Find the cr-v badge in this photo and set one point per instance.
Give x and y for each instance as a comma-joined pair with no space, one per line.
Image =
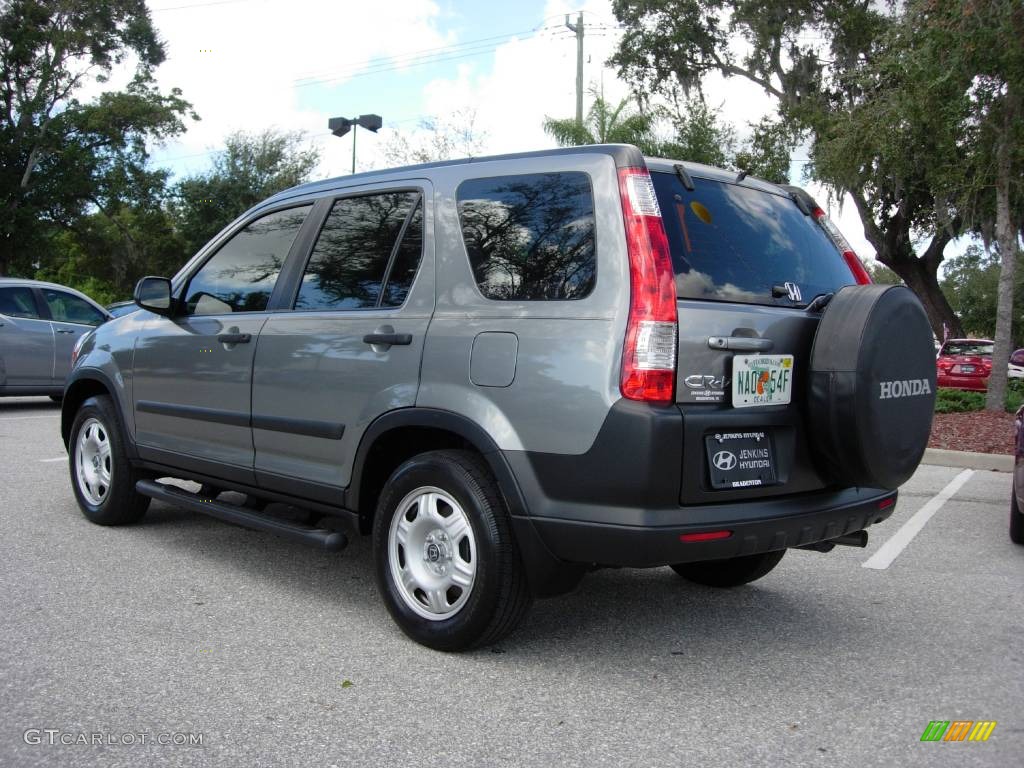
704,388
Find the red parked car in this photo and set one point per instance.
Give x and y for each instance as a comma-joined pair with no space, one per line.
965,364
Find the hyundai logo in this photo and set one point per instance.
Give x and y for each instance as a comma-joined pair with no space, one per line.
724,460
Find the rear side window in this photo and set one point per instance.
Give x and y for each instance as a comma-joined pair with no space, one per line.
17,301
734,243
530,237
68,308
349,264
241,275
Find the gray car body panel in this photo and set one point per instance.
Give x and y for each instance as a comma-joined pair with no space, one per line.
314,371
567,370
35,354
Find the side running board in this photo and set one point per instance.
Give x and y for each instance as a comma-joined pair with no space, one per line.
332,541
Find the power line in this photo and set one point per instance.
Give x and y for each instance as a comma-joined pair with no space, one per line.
395,63
439,50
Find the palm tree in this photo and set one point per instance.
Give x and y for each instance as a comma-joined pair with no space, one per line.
604,124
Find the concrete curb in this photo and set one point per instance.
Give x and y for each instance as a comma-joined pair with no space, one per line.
994,462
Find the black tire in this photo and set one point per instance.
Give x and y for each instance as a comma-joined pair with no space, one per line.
115,501
732,572
497,598
871,388
1016,520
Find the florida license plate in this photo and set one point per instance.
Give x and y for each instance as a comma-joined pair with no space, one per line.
759,380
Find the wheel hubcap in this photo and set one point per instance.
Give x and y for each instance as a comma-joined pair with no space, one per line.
93,466
432,553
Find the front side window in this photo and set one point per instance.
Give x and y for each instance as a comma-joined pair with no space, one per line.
241,275
530,237
17,301
68,308
359,239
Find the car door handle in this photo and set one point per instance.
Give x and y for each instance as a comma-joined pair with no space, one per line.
61,330
234,338
400,339
740,343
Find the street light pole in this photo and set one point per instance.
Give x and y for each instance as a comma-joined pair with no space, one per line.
339,126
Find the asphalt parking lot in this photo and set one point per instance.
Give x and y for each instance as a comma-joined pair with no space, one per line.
279,655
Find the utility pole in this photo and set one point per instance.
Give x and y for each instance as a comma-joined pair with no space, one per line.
578,29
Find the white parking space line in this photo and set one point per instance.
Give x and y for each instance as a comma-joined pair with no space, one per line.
26,418
889,551
48,461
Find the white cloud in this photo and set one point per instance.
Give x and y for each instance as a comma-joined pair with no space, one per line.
238,63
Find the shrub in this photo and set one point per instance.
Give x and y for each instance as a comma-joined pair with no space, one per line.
958,401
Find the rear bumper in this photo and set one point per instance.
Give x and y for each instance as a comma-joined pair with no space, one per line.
754,528
972,383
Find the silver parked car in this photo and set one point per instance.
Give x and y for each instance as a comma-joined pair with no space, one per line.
511,370
40,323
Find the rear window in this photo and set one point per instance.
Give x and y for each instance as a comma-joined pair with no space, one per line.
980,348
530,237
734,243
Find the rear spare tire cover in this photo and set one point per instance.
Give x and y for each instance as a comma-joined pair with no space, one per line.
872,386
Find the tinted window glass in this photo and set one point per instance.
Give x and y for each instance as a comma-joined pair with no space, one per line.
17,302
241,275
530,237
1017,358
733,243
407,259
351,254
67,308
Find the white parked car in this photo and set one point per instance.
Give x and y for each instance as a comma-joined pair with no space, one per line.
1016,365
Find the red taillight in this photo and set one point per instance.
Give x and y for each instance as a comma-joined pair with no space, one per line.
688,538
649,353
849,256
886,503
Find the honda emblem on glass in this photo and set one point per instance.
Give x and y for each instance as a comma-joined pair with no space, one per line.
793,291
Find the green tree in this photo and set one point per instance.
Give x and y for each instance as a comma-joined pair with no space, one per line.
605,124
971,282
61,157
698,133
435,139
768,151
882,274
689,129
810,55
249,169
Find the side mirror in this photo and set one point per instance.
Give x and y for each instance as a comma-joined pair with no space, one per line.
154,294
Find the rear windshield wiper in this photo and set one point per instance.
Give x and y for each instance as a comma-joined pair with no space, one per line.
684,177
800,203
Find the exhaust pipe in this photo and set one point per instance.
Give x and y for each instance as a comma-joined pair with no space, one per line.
855,539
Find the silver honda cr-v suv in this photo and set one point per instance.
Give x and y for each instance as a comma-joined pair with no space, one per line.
511,370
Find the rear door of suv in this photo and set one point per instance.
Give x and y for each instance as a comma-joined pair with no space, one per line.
348,349
749,263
